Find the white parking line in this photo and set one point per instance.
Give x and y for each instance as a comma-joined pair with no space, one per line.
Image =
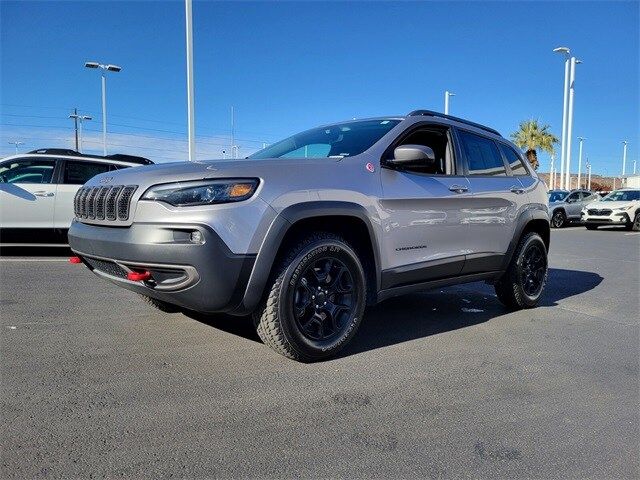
632,233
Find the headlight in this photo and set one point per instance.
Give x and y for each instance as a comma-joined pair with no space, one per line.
202,192
622,209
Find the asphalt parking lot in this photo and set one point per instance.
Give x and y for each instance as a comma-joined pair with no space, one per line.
445,383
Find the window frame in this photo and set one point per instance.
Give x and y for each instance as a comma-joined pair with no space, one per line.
507,169
519,155
410,130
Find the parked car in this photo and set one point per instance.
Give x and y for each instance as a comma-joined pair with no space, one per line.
37,191
620,207
305,233
565,207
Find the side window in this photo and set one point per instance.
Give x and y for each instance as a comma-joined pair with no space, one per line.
78,173
27,170
514,160
438,141
482,154
586,196
574,197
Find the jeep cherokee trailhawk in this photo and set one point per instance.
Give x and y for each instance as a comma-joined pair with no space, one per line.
308,231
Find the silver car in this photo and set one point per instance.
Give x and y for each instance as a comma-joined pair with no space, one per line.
304,234
566,206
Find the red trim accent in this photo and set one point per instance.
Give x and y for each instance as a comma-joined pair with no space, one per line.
75,260
139,276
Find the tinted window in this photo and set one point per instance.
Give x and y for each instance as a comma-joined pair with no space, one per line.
78,173
27,170
482,155
435,139
622,196
574,197
557,196
514,161
339,140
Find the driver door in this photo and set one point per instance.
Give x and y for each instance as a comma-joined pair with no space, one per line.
27,193
574,205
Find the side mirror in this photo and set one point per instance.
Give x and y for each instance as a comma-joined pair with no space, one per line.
408,154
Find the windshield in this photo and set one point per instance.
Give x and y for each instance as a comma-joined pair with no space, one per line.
339,140
557,196
622,196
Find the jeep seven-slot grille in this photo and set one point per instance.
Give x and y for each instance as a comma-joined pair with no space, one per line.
104,203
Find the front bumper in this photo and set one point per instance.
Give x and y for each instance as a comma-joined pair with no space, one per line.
203,276
614,218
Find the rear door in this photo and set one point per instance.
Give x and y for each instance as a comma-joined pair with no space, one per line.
27,194
498,198
74,174
573,205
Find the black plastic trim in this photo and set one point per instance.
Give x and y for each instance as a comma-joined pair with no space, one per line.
422,272
431,113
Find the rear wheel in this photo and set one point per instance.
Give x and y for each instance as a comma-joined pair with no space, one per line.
558,219
591,227
636,223
522,284
316,301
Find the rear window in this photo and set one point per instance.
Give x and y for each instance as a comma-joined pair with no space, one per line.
78,173
514,160
483,156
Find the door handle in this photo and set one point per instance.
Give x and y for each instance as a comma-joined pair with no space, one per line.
42,193
518,190
458,188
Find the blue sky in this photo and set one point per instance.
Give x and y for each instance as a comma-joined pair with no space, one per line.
290,66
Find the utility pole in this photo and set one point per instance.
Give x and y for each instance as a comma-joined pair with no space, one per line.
74,115
191,116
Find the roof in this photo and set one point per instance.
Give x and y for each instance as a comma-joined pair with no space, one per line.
431,113
118,157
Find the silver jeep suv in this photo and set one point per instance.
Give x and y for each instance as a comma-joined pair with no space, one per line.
307,232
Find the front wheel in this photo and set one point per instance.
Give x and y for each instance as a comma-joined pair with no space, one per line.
636,223
558,219
316,301
522,284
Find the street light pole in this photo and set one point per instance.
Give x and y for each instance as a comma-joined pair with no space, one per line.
16,144
105,69
191,118
624,157
447,95
572,80
582,139
552,175
589,172
565,97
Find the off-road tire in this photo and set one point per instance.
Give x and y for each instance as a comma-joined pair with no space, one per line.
558,219
160,305
274,319
591,227
509,289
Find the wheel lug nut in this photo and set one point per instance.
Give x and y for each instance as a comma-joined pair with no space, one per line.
313,297
324,303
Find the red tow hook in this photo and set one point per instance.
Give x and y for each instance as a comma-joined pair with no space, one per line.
139,276
75,260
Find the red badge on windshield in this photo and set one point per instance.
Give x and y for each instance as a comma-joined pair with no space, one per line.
370,168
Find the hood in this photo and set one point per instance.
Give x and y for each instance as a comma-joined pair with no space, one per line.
148,175
601,205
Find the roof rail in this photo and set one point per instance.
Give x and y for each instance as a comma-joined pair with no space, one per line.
119,157
430,113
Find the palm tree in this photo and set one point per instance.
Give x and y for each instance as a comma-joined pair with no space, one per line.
532,136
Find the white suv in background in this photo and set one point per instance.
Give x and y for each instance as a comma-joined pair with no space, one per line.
620,207
37,191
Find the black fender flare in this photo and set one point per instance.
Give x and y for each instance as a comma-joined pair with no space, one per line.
521,223
277,231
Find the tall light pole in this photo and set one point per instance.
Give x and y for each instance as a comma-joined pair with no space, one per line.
572,81
624,157
589,173
552,175
105,69
447,95
565,106
582,139
79,119
16,144
233,133
191,116
634,167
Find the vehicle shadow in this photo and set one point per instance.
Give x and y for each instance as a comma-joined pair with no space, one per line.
432,312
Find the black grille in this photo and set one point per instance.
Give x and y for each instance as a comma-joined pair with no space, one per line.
104,203
104,266
595,211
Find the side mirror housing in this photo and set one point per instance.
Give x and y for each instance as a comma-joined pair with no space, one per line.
412,154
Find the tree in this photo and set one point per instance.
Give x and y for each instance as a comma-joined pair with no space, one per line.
531,137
